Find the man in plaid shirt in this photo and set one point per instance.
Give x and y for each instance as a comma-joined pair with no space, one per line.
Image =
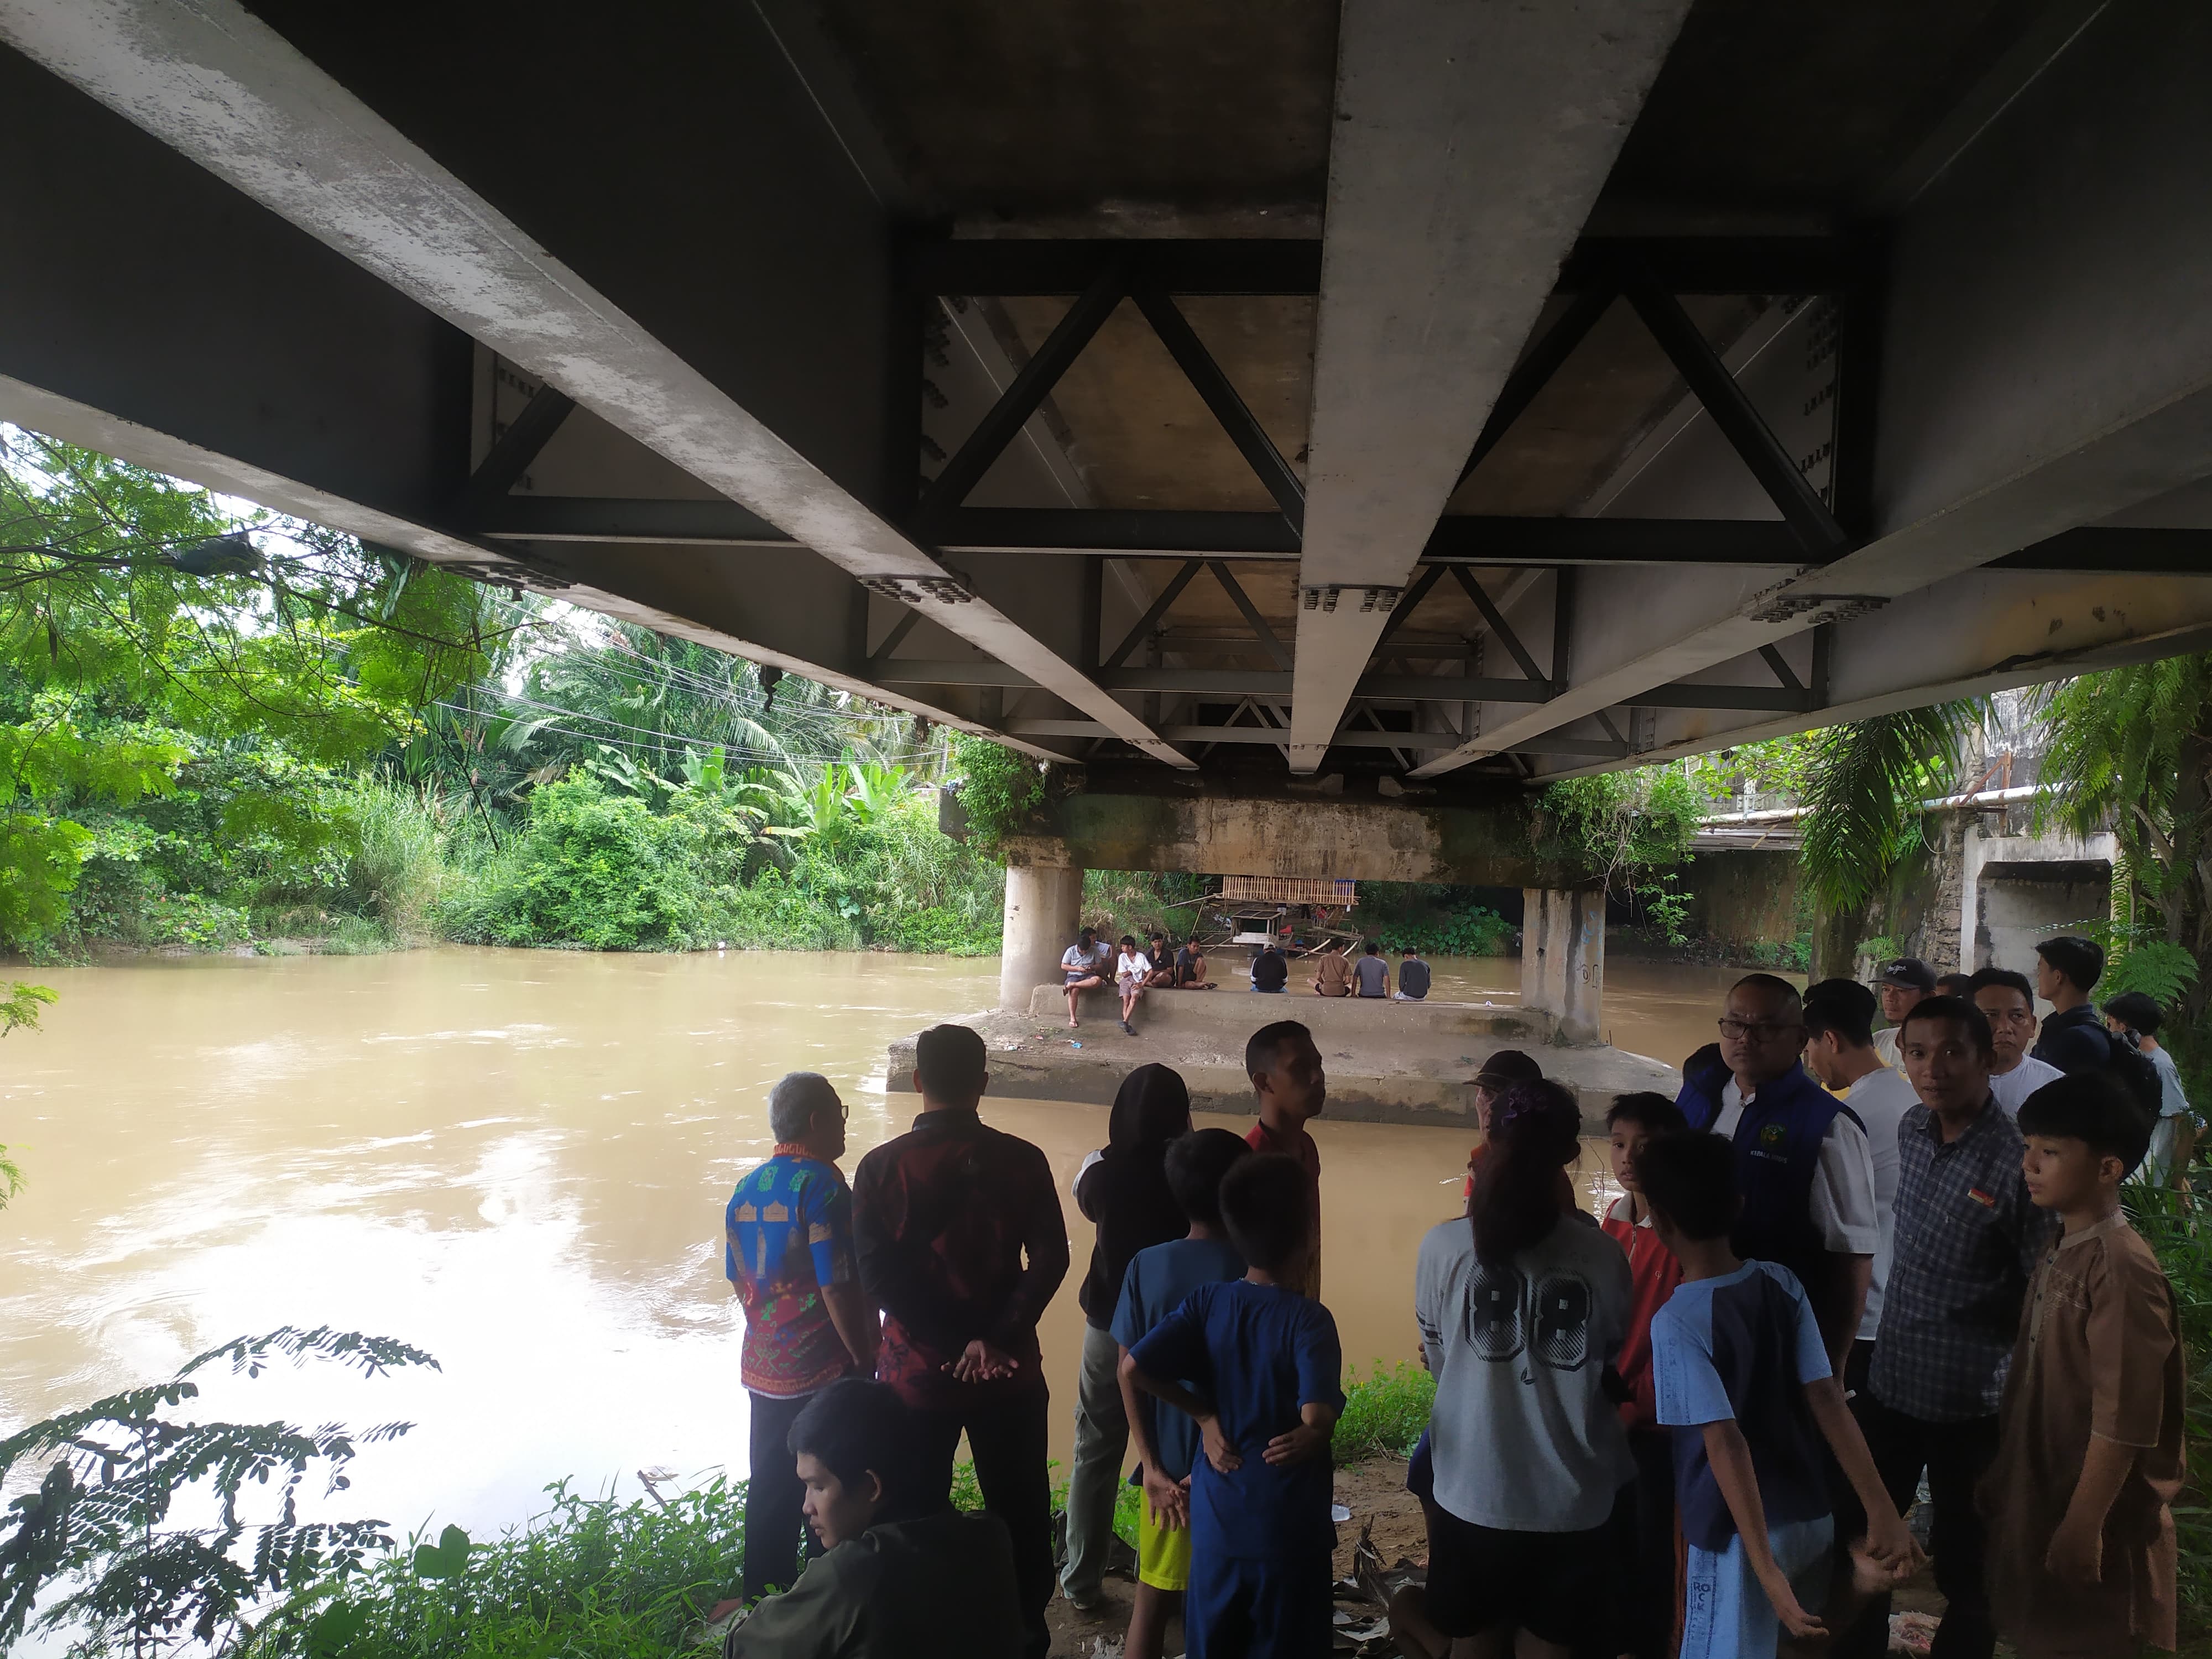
1967,1240
943,1218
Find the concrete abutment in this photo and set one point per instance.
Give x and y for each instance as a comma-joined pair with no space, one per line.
1563,958
1044,902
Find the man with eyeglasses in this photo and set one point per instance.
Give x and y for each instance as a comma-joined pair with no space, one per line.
1803,1169
789,1252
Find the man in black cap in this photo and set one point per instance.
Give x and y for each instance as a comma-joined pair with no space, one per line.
1902,983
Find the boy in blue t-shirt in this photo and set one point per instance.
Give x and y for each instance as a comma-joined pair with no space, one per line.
1157,1283
1264,1371
1742,1375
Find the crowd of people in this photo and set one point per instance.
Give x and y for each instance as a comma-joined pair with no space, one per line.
1692,1426
1342,969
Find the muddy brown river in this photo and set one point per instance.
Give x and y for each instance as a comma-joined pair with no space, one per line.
517,1161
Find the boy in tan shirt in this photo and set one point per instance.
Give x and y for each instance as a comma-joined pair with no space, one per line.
2081,1547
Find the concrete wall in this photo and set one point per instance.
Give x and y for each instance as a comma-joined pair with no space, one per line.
2021,889
1365,840
1742,897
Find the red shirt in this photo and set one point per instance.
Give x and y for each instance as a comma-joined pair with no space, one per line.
1653,1274
1300,1145
959,1236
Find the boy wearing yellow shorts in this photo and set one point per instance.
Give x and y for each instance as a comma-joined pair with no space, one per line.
1166,1441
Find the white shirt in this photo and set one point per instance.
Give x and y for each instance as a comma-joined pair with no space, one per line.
1884,1044
1519,1354
1881,1098
1843,1184
2012,1088
1127,964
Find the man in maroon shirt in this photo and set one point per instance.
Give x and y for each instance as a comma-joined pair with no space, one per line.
1291,1089
943,1218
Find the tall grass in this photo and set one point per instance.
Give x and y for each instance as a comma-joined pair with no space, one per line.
1384,1412
400,865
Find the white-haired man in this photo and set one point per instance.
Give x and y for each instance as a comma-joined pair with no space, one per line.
789,1254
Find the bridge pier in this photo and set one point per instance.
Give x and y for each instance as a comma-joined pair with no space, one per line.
1044,903
1562,957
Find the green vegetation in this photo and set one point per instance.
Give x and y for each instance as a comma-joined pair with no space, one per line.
222,728
1863,790
1001,791
1439,921
2178,1225
2131,751
592,1577
1384,1412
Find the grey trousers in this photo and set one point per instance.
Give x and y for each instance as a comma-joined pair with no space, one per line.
1102,1439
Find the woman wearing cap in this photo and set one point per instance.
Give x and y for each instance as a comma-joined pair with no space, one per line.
1499,1072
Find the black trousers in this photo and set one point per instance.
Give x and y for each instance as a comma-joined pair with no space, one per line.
1009,1434
1649,1584
1954,1456
775,1497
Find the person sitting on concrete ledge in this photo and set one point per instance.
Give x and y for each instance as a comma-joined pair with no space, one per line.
1081,970
1132,971
1372,972
898,1555
1332,972
1191,967
1271,969
1162,978
1413,977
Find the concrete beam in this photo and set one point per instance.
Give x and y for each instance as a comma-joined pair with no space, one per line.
1985,631
1470,144
227,90
667,598
2047,363
1365,840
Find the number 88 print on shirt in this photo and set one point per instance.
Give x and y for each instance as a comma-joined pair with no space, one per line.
1520,1349
1504,1308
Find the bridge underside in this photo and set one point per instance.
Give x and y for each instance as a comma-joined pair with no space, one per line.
1436,396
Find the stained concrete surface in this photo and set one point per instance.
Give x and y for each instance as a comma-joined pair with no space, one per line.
1388,1062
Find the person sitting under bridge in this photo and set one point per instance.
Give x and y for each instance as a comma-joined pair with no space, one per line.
1332,972
1271,969
1083,969
1371,972
1162,978
1413,977
899,1555
1191,967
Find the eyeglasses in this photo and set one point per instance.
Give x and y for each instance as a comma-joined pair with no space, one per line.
844,1112
1756,1031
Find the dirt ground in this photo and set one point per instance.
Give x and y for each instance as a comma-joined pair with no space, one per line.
1375,1491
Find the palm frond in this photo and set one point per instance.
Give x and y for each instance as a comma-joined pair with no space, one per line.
1863,792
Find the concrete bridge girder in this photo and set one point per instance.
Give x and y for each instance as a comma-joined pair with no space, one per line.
335,216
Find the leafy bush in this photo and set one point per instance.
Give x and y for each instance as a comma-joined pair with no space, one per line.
100,1523
592,869
1623,824
1001,791
1442,921
590,1577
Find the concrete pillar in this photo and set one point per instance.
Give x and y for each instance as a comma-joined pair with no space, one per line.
1044,903
1562,957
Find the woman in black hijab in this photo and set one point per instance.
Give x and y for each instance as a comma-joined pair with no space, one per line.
1123,1189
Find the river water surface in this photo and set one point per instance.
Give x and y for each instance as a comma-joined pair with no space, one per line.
517,1161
